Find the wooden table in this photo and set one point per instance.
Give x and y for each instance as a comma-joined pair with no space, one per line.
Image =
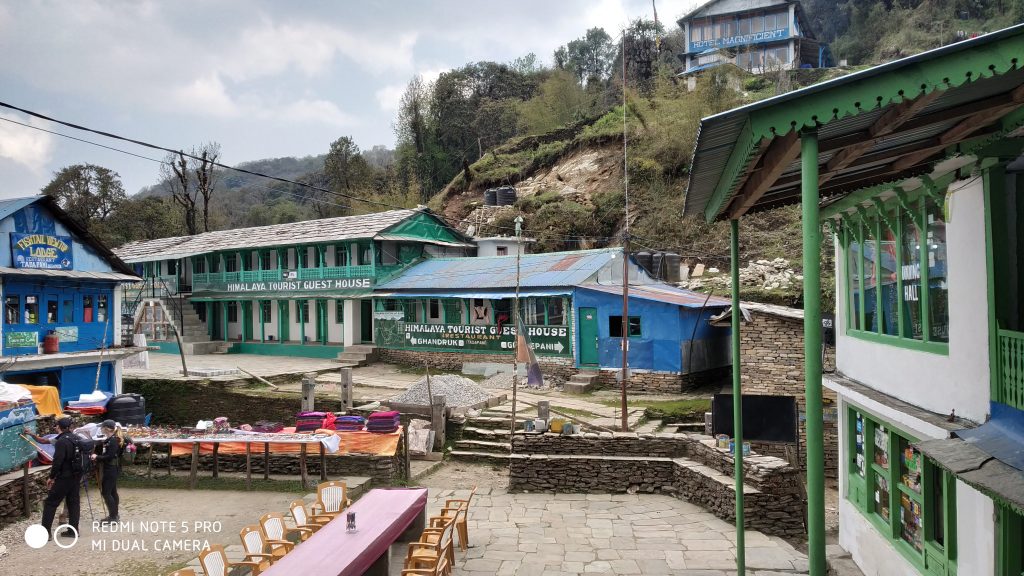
382,517
216,441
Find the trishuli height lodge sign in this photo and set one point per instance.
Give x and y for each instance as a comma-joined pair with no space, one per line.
42,251
392,332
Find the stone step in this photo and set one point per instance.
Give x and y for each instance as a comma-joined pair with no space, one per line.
494,422
480,456
483,446
584,377
571,387
355,358
472,433
367,349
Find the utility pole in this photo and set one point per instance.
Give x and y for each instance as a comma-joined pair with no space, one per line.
518,325
625,250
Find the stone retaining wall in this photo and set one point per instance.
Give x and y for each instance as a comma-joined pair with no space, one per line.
12,503
663,382
688,466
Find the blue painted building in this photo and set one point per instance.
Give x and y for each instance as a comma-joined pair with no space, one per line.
460,310
58,279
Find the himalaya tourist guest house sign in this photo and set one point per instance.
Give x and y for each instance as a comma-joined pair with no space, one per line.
285,287
392,332
42,251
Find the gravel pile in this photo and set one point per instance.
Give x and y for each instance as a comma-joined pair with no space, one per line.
457,391
503,381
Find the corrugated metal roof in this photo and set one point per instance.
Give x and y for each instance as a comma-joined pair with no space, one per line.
663,293
306,232
12,205
536,270
75,274
843,109
479,293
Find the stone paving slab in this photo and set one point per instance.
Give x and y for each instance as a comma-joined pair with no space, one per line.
614,534
168,366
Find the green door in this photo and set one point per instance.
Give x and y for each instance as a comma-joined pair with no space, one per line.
282,320
1010,556
588,336
321,321
247,320
366,317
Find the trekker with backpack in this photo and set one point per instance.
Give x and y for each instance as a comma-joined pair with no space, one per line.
65,478
110,457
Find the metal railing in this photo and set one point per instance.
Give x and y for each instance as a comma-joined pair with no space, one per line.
1011,368
213,280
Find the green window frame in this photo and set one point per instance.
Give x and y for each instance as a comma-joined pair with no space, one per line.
12,309
232,311
906,497
544,311
199,264
339,311
896,288
1009,541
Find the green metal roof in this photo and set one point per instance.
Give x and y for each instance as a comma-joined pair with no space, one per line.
881,125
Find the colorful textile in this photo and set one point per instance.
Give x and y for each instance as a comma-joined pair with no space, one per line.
374,444
267,426
47,399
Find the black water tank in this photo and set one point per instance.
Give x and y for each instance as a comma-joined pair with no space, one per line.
671,263
506,196
658,265
491,197
644,260
127,409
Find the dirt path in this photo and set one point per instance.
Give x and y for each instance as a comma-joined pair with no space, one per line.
159,509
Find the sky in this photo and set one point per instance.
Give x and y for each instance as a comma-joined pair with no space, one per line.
263,78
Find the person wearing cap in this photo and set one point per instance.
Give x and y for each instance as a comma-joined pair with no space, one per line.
110,458
63,484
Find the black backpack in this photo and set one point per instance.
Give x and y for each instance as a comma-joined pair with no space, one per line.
81,456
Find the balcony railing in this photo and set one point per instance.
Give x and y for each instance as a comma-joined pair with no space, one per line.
215,280
1011,368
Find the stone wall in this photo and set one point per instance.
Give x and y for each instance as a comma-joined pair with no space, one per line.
684,465
12,494
772,352
663,382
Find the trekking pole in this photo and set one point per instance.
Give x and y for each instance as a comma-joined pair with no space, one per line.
88,499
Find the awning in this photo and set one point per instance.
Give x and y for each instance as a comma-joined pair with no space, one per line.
485,295
977,469
71,274
401,238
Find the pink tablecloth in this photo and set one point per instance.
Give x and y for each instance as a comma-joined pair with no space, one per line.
381,517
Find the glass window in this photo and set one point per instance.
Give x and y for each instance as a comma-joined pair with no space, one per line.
198,264
87,309
938,289
853,251
615,326
910,244
556,311
265,308
339,311
502,250
757,24
101,308
434,309
881,506
889,314
230,263
232,312
859,462
172,267
341,256
31,309
51,311
366,257
535,309
68,311
12,309
881,439
503,311
304,311
744,26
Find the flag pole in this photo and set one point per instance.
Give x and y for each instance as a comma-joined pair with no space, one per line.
625,249
518,325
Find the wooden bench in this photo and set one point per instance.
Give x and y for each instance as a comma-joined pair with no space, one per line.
382,517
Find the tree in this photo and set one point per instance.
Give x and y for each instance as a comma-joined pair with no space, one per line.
87,192
560,101
191,181
146,218
641,53
590,57
345,170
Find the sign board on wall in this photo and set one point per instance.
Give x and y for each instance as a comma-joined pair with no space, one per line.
286,287
42,251
21,339
67,333
740,40
390,331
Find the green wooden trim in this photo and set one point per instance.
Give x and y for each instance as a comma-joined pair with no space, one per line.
994,184
263,321
738,161
941,348
902,197
316,350
224,325
926,309
862,314
900,294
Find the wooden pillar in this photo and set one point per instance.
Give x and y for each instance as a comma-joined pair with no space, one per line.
266,460
194,471
248,465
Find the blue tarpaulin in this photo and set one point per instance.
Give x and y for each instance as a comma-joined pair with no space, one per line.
1001,437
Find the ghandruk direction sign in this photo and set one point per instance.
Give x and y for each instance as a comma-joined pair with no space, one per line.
286,286
42,251
740,39
392,332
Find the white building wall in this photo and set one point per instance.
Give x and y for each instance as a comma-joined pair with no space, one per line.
932,381
334,329
270,323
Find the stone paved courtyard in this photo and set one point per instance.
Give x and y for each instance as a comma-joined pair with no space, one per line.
568,534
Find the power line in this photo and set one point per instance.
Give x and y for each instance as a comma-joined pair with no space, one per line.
576,238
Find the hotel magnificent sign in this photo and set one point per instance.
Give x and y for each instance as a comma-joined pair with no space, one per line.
740,40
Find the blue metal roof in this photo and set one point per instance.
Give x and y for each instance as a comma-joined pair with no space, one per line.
535,271
12,205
